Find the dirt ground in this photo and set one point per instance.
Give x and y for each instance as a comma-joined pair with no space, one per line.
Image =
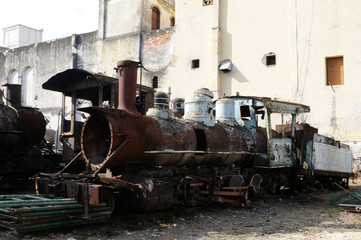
287,216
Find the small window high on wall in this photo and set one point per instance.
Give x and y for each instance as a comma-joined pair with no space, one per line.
155,82
155,18
334,68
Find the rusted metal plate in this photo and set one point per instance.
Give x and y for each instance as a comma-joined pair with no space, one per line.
327,155
282,152
273,106
102,134
33,122
8,118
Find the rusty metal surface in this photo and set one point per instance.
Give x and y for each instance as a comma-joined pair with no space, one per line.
33,122
103,133
127,71
239,139
325,155
9,118
282,152
274,106
184,142
14,94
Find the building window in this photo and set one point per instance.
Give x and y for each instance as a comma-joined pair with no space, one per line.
245,113
207,2
195,63
155,18
155,82
269,59
334,68
27,87
14,77
172,21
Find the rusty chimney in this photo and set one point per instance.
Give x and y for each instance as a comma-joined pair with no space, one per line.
127,71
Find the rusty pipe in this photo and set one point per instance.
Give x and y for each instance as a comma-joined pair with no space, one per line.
127,71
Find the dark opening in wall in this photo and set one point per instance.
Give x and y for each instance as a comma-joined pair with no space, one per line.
172,21
195,63
207,2
201,140
269,59
155,82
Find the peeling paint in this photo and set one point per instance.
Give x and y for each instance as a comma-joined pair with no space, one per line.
159,40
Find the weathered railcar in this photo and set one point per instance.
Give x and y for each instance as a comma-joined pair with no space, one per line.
291,154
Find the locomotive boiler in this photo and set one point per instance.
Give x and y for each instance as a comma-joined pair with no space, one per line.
124,136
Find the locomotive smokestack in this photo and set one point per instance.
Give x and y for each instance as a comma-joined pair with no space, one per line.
127,71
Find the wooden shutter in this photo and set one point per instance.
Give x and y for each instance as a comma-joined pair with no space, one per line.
155,18
334,71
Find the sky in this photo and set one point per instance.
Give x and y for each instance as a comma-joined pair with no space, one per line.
57,18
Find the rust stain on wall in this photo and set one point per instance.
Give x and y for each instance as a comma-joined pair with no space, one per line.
159,40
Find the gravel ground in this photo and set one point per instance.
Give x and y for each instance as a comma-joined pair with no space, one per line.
288,216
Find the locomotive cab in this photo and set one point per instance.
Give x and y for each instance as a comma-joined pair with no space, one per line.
257,114
82,89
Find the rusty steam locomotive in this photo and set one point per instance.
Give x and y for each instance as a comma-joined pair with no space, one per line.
218,150
21,130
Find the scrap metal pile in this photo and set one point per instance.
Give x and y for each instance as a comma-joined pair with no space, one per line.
28,213
350,200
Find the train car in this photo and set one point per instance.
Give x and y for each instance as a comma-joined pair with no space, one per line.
153,161
156,160
21,131
291,154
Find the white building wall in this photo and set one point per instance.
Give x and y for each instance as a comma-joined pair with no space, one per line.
249,31
301,33
20,35
327,29
194,40
123,17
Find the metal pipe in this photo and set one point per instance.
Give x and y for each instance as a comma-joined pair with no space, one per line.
127,71
70,163
106,162
269,133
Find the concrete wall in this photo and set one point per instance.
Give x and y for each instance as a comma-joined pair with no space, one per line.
20,35
110,51
301,34
157,57
166,9
46,59
123,17
249,31
327,29
197,38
